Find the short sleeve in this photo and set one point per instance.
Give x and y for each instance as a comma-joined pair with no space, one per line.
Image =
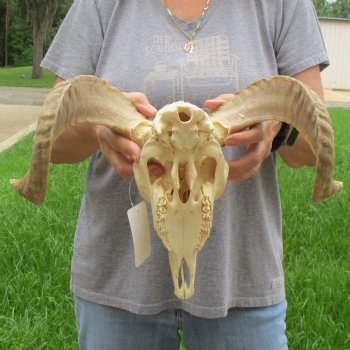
299,43
76,47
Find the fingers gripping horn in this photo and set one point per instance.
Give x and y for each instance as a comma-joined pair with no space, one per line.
288,100
81,100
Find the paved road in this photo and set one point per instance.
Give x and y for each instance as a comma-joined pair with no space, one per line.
337,98
22,95
19,110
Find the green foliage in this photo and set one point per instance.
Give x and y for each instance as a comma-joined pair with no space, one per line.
341,9
336,9
20,46
2,30
20,43
322,8
19,33
36,309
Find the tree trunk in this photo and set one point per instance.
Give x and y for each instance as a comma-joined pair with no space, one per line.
7,23
43,14
39,36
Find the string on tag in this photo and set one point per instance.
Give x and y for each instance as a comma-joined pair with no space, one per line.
132,204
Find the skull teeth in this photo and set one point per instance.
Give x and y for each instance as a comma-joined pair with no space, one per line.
207,212
161,221
206,208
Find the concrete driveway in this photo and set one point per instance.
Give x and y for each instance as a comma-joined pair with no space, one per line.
337,98
20,108
22,95
19,112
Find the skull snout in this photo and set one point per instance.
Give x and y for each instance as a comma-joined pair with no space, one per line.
185,287
183,271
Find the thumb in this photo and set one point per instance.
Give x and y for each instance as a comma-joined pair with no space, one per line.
146,109
141,102
217,101
212,104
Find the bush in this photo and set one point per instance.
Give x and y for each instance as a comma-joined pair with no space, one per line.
20,43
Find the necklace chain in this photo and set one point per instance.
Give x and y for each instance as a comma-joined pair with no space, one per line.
189,46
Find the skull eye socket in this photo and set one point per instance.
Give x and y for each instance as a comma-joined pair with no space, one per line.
151,164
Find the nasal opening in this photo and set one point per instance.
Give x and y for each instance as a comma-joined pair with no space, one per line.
184,190
184,277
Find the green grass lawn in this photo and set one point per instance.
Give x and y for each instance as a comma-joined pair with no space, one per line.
36,310
22,76
317,252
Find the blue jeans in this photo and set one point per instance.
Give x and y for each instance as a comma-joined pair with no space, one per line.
107,328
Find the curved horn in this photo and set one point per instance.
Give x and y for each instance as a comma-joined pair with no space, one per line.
288,100
84,99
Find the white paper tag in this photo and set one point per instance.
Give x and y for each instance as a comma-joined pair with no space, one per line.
141,236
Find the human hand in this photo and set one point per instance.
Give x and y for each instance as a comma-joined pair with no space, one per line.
257,139
119,151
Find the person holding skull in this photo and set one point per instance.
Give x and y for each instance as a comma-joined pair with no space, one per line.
200,51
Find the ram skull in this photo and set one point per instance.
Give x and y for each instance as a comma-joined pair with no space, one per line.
187,142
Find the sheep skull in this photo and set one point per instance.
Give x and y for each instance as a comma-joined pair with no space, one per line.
182,199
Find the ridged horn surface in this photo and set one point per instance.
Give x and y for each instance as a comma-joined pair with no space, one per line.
81,100
288,100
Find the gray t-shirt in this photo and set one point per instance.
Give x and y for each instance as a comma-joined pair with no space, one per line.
134,45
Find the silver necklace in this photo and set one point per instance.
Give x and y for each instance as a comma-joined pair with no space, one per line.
189,46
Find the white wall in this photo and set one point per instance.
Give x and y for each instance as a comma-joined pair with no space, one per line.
336,34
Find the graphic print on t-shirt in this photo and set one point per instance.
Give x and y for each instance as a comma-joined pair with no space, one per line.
212,64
